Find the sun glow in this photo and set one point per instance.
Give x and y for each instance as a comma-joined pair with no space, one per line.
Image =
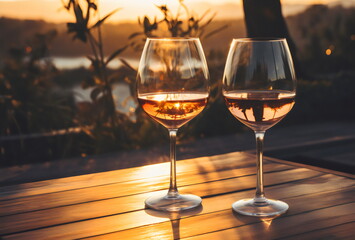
151,171
131,10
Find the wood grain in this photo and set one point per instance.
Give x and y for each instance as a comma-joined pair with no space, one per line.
108,191
227,219
286,226
185,167
102,206
342,231
44,218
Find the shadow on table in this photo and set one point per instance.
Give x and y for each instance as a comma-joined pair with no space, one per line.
174,218
267,221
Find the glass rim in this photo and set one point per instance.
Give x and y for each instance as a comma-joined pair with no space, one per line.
259,39
172,38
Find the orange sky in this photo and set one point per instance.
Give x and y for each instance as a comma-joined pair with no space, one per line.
51,10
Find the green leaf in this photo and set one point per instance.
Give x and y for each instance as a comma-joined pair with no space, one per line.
98,23
115,54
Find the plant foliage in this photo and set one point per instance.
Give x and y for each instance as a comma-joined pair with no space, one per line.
99,117
182,24
28,101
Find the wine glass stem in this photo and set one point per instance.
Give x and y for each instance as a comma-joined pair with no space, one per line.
173,192
259,195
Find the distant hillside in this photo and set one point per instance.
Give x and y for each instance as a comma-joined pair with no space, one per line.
314,31
16,33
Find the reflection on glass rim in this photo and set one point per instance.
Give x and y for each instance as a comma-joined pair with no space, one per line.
172,38
259,39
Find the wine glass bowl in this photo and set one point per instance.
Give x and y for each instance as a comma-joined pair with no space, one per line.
173,88
259,110
259,88
173,109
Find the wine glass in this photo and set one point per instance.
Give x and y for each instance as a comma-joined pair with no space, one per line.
173,88
259,88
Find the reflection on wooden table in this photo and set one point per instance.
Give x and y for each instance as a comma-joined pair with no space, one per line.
110,205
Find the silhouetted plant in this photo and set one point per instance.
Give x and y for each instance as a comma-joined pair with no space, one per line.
182,24
28,101
174,25
98,117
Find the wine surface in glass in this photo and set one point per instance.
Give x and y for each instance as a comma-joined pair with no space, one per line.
173,109
259,110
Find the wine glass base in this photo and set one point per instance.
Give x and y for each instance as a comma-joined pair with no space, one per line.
178,203
265,208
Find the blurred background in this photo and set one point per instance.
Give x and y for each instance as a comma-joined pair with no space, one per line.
68,67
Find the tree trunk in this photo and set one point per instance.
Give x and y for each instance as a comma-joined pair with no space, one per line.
264,18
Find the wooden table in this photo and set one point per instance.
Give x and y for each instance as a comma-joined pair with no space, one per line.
110,205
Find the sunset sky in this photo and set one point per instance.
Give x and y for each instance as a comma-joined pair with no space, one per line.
51,10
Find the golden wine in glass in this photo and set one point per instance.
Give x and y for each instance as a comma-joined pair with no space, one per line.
173,88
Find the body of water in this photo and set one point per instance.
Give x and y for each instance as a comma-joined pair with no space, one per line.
124,101
77,62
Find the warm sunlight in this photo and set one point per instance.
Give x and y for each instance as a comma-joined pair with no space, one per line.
130,10
151,171
138,119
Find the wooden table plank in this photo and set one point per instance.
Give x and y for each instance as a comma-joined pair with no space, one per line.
200,165
205,221
104,206
98,209
287,225
139,218
84,195
342,231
